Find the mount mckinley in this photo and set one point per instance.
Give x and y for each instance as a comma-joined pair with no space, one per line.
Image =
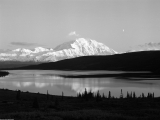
72,49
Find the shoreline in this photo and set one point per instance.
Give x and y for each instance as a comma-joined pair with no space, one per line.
3,73
26,105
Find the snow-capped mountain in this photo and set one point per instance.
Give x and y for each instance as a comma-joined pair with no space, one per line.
146,47
79,47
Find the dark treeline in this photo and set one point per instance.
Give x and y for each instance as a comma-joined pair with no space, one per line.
86,106
55,103
91,95
3,73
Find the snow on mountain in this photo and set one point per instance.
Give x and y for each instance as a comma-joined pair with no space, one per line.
40,49
80,47
71,49
146,47
22,50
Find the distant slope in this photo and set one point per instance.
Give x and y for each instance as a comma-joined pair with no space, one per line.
135,61
145,47
4,65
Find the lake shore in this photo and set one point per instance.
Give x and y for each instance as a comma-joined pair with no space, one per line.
3,73
135,75
26,105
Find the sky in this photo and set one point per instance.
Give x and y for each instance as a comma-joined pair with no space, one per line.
119,24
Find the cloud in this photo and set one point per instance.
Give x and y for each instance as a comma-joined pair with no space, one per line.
73,33
22,44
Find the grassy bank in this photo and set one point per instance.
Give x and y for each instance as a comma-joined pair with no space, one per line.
24,105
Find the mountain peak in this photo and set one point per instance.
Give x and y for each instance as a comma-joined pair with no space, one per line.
91,46
40,49
22,50
84,46
71,49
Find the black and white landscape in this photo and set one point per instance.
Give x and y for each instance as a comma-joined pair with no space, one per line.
79,59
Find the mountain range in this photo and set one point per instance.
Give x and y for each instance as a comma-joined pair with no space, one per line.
145,47
71,49
67,50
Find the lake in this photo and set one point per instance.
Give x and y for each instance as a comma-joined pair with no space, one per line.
43,80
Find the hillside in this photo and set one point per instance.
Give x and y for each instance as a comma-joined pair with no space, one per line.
134,61
4,65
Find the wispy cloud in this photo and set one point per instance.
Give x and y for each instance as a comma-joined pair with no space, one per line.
22,44
73,33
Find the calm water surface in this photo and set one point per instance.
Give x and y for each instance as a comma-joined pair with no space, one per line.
43,80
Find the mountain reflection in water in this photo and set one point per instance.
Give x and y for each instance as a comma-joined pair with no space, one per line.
41,81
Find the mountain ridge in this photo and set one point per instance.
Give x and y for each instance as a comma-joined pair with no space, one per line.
133,61
71,49
145,47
